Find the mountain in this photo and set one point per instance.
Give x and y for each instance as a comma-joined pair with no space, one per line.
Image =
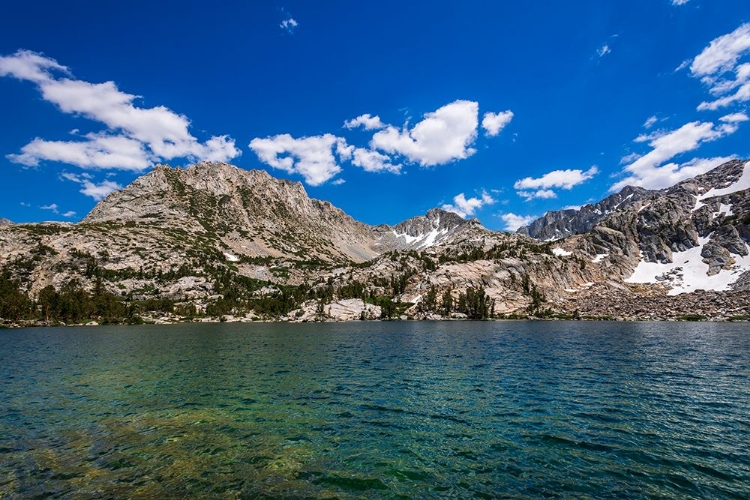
5,222
555,225
248,213
437,227
216,240
255,215
690,236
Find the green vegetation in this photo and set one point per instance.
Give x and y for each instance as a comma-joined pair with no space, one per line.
691,317
475,304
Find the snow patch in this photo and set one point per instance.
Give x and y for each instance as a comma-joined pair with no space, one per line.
231,258
560,252
431,237
687,272
409,239
725,210
425,240
739,185
599,257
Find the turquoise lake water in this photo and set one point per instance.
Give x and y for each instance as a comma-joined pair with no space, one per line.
377,410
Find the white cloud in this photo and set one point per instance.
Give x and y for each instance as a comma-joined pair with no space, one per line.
722,54
720,57
603,50
630,158
367,121
135,137
372,161
338,182
493,123
735,118
99,152
541,193
679,2
89,188
541,187
442,136
55,209
650,122
465,207
648,172
672,173
312,157
741,95
288,25
513,221
31,66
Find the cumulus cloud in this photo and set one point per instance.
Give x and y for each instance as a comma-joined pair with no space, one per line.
289,25
513,221
135,138
494,123
312,157
649,170
542,187
443,136
101,151
372,161
720,58
466,207
366,121
90,188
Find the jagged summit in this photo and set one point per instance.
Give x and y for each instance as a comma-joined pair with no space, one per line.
559,224
562,223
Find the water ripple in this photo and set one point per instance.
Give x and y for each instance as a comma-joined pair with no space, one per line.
373,410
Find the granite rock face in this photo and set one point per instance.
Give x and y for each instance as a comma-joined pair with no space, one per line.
710,212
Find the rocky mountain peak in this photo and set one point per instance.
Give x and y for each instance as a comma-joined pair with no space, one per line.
562,223
559,224
5,222
435,219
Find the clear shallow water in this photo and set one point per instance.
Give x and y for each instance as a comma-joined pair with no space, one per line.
402,409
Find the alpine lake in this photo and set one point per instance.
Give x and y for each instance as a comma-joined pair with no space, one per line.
506,409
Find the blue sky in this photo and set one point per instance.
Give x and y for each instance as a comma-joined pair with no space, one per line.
497,110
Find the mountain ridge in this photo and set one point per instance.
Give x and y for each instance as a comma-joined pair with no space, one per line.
218,240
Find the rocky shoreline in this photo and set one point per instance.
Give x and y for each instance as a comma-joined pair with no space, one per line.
599,304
